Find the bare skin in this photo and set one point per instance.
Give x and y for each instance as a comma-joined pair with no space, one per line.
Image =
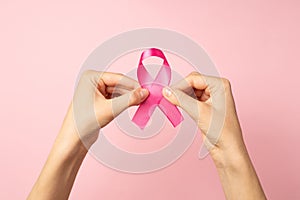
228,151
236,172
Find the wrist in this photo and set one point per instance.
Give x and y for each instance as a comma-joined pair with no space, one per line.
235,170
233,158
68,141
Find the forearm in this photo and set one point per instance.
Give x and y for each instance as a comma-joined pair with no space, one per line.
237,174
58,175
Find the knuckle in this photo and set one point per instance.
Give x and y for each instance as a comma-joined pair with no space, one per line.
86,76
226,83
119,74
194,77
88,73
91,76
194,74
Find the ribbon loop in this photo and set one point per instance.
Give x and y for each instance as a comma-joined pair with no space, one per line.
155,86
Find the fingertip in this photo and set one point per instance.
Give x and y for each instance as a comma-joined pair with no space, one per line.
143,93
167,92
140,94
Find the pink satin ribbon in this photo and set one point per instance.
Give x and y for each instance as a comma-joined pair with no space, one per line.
155,86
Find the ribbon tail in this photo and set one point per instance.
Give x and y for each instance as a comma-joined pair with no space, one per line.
171,111
143,114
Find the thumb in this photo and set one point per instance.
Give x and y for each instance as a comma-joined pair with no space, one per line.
135,97
186,102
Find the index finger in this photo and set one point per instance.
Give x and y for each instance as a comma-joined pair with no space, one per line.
197,81
118,80
194,80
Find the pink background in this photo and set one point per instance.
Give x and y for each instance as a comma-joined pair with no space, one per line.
255,44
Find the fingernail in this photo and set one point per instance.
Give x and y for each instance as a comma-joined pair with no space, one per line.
143,93
167,92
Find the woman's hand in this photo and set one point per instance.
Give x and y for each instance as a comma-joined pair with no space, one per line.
209,101
99,98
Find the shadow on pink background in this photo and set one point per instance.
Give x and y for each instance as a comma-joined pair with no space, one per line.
255,44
